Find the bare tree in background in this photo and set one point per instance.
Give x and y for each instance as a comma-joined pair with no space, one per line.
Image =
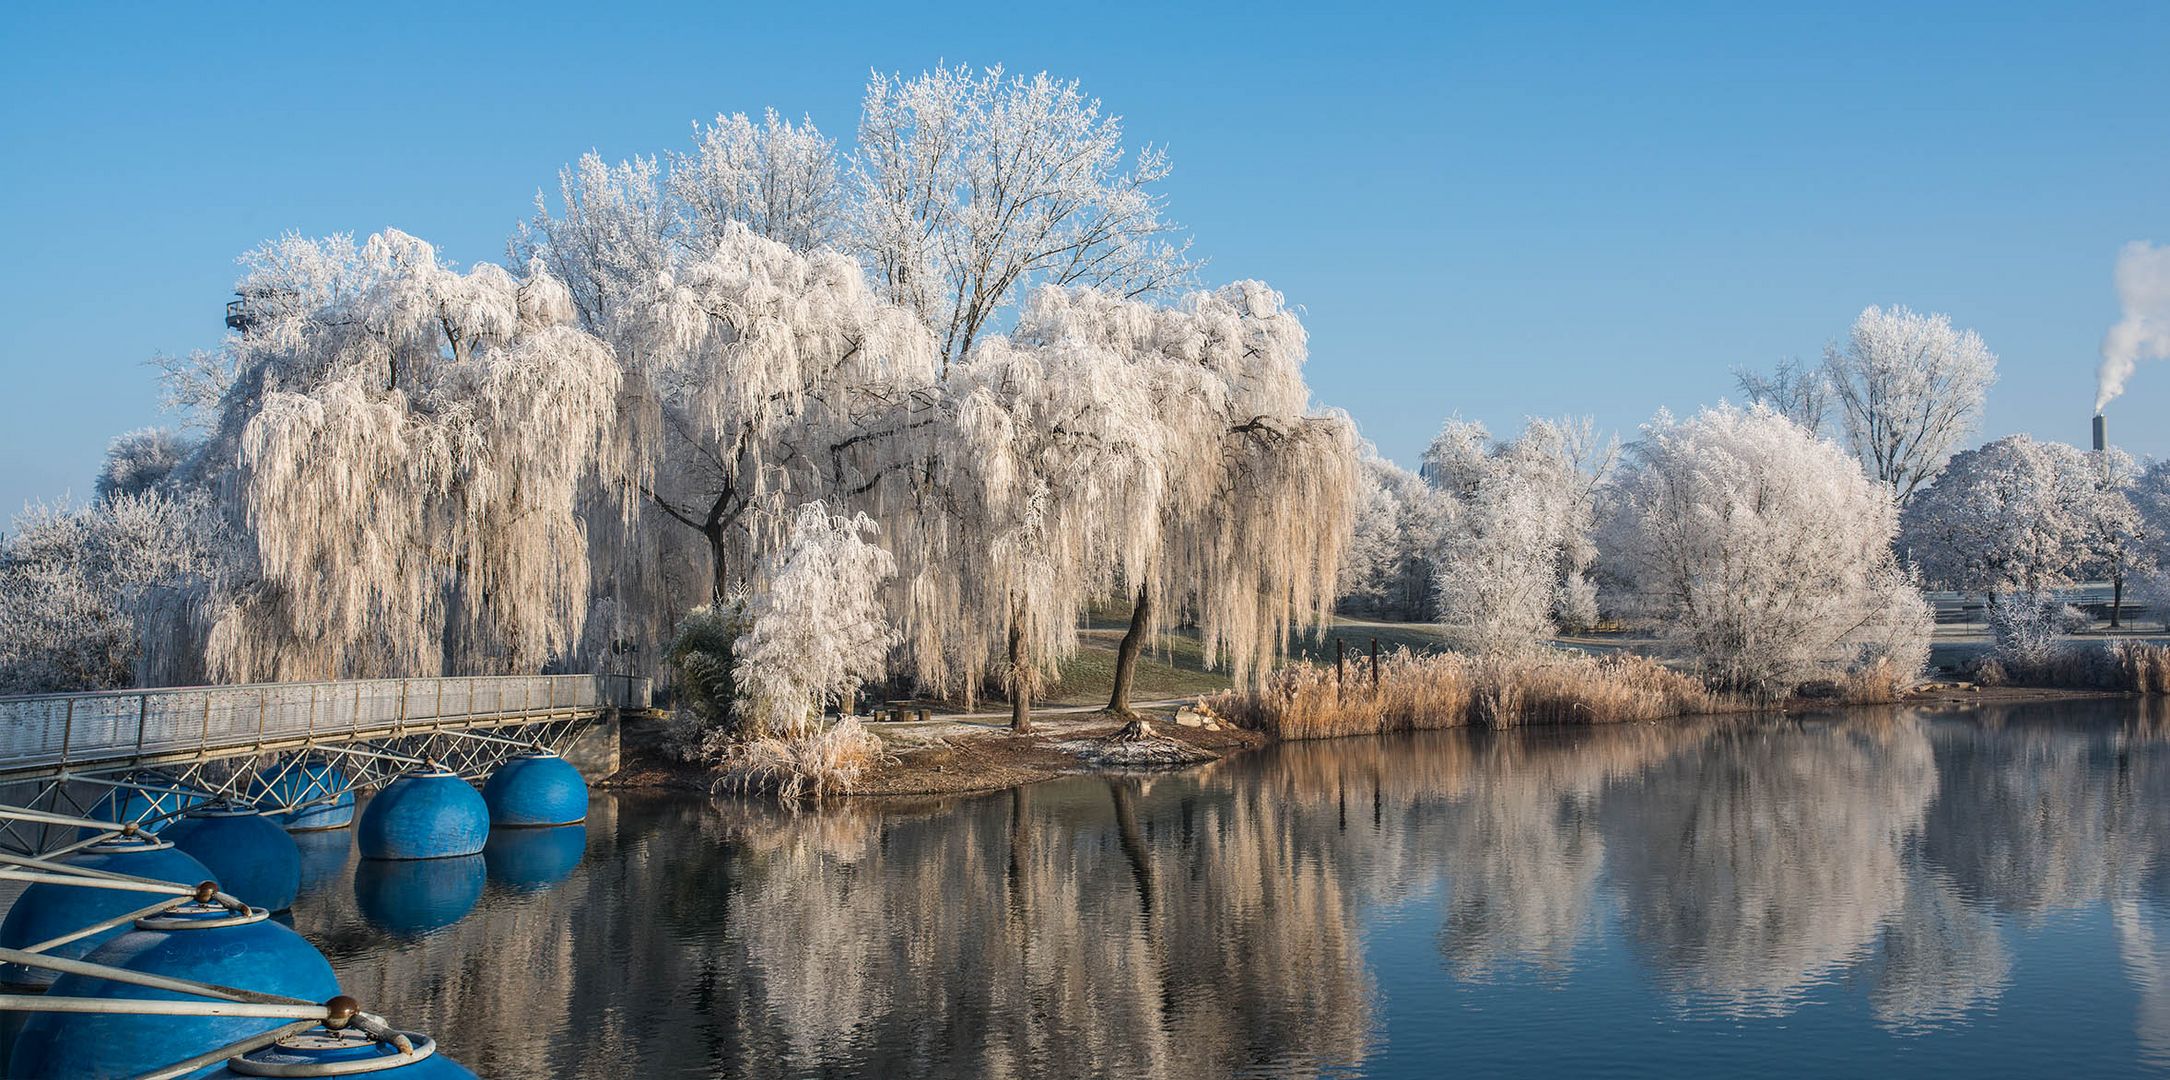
1799,392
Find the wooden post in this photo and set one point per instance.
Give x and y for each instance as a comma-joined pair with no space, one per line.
1341,661
1374,665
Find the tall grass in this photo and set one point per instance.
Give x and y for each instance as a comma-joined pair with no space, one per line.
1418,692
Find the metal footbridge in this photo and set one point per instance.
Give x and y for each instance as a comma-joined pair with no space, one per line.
65,753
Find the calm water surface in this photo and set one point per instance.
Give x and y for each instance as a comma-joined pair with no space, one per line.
1960,895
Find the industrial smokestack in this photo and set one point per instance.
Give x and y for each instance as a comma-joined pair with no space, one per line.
2102,436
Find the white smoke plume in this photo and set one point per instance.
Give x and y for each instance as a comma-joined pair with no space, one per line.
2143,287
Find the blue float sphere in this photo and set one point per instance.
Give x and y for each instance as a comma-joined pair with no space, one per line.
423,815
324,855
151,808
205,943
323,787
254,860
536,790
411,897
319,1052
531,860
45,910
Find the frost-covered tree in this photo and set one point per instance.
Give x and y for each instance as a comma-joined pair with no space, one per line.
816,627
141,460
772,377
1498,567
969,189
81,588
1759,552
1238,446
1400,522
1799,392
776,178
1909,390
2121,542
2013,515
1514,567
2149,495
403,447
1049,496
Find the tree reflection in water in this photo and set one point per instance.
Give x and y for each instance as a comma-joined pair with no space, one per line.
1216,922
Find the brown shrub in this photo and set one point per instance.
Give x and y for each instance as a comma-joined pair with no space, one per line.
827,760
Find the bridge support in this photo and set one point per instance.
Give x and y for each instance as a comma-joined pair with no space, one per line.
595,751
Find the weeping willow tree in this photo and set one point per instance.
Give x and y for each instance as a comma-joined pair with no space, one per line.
403,447
758,374
1257,491
1048,490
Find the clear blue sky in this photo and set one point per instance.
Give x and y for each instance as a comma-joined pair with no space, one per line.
1545,210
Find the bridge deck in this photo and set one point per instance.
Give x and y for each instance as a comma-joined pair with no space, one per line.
50,734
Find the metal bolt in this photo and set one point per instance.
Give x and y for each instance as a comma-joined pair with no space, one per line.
339,1011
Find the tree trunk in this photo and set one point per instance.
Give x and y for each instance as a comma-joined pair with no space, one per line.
1020,676
2117,598
1126,654
719,580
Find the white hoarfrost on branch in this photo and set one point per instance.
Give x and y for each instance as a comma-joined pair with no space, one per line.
969,189
1799,392
80,589
1514,566
1400,523
1909,390
1238,451
1760,553
404,447
816,627
1051,493
2012,516
142,460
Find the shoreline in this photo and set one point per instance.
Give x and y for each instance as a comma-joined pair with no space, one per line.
949,757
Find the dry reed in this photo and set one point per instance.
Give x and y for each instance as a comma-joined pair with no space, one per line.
1414,692
2136,667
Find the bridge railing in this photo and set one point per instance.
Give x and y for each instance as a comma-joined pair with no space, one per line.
72,729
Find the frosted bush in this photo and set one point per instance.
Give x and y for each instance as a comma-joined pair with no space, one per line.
2025,629
1759,553
815,626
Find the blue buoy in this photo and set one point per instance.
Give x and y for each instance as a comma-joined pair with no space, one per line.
534,790
411,897
321,1052
531,860
321,793
151,808
254,860
46,911
201,942
324,856
430,814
